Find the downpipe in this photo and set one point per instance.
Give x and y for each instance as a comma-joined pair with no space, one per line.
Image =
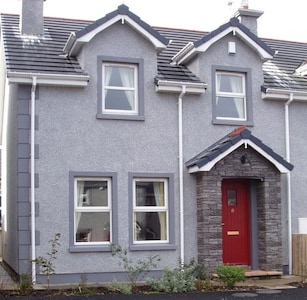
180,157
289,198
32,181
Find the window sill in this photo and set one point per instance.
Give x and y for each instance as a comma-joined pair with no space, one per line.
144,247
121,117
232,122
92,248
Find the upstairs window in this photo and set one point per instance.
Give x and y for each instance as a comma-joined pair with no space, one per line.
120,88
230,96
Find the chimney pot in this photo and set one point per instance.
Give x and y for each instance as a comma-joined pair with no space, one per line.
244,4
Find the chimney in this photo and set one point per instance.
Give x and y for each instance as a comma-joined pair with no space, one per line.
32,19
248,17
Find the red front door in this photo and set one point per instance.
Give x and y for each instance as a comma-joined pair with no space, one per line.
236,221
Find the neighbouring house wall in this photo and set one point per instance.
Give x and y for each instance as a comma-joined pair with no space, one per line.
209,209
10,229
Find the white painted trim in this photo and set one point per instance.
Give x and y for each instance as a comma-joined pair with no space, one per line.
176,87
207,167
279,94
48,79
73,47
237,31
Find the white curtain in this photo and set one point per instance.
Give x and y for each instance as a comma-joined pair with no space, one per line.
107,78
236,87
160,201
128,81
80,197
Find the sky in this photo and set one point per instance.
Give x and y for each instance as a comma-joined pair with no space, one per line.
282,19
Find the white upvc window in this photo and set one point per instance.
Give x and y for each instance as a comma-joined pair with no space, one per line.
150,210
120,88
92,211
231,96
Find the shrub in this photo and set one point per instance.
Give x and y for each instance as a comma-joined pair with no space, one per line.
178,280
25,282
230,275
121,287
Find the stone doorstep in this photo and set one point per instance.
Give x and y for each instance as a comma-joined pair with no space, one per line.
258,274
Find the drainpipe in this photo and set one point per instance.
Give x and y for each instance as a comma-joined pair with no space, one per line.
287,132
32,188
181,204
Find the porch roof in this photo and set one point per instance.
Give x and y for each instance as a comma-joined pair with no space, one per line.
206,159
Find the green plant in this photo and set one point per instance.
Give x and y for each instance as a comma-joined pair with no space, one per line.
178,280
25,282
230,275
135,270
121,287
46,263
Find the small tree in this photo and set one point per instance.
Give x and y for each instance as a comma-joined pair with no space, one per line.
135,270
46,263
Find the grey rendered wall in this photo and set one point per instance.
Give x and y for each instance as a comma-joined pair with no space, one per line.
70,138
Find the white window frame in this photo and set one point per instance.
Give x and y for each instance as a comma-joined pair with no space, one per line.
232,95
157,209
134,89
89,209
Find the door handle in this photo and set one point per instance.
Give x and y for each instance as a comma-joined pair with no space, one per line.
222,224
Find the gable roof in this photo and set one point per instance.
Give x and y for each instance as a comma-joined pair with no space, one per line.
205,160
122,14
44,57
234,26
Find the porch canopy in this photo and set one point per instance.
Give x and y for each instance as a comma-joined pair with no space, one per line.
206,159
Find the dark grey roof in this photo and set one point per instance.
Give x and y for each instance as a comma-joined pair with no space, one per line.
45,55
227,142
40,55
279,73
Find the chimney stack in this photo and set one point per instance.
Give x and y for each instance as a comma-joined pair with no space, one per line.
32,18
248,17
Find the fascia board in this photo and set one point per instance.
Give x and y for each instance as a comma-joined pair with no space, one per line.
283,95
207,167
236,31
48,79
176,87
123,18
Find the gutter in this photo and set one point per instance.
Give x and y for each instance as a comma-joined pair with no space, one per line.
32,182
48,79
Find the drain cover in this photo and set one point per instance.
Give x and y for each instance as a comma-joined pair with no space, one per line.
269,292
244,295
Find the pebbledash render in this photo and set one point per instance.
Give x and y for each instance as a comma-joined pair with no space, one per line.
179,143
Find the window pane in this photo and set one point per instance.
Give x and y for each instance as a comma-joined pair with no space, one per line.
92,193
150,226
150,193
230,107
119,100
119,76
230,83
92,226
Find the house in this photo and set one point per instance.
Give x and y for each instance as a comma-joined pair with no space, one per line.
180,143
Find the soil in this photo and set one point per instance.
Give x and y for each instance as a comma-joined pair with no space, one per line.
100,291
